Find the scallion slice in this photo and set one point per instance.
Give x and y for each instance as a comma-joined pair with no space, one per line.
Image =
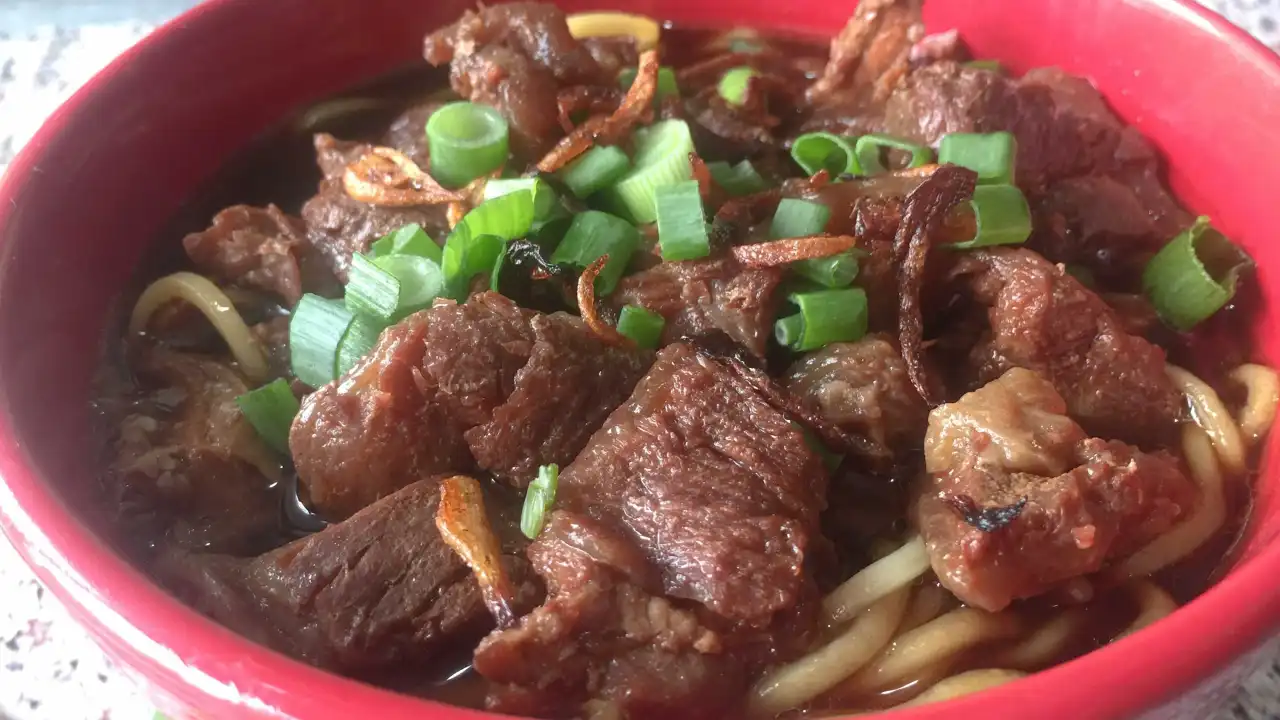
733,84
992,155
641,325
1194,275
737,180
825,316
315,330
538,500
870,147
597,169
682,223
1001,215
372,290
544,196
661,159
359,339
270,410
798,218
479,240
837,271
592,234
823,151
408,240
421,281
467,140
667,86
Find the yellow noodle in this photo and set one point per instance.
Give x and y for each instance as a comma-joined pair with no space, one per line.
937,641
1259,409
645,30
928,602
1212,415
965,683
208,299
1042,647
799,682
1153,604
1201,525
892,572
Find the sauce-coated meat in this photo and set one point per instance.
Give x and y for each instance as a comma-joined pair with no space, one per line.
255,247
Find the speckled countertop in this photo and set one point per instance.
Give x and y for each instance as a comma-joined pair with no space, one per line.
49,670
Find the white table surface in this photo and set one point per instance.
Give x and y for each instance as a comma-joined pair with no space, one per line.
49,670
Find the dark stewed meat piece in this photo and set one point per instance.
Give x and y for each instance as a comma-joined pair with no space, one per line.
1063,503
1043,319
374,592
863,387
482,383
696,494
700,297
254,247
338,225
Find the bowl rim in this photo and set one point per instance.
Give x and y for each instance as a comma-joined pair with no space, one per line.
128,615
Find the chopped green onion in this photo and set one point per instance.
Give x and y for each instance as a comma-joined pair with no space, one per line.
733,84
667,86
682,224
823,151
641,325
837,271
870,147
737,180
1001,215
372,290
597,169
480,238
421,282
661,158
992,65
992,155
544,197
798,218
1194,275
825,316
270,410
408,240
538,500
466,140
359,339
315,330
592,234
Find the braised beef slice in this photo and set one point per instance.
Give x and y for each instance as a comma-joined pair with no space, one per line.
372,593
185,458
253,247
675,556
699,297
483,383
408,131
516,57
1070,503
863,388
570,384
338,226
1043,319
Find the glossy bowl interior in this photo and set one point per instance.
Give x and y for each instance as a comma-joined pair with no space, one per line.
88,195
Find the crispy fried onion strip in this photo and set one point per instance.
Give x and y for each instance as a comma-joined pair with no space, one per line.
587,305
463,524
636,107
590,99
923,213
784,252
383,176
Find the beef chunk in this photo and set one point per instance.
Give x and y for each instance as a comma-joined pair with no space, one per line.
408,131
516,57
372,593
188,461
1043,319
338,226
1061,504
677,547
564,392
515,388
254,247
863,387
867,58
700,297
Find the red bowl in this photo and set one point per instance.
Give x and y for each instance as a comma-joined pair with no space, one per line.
80,204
